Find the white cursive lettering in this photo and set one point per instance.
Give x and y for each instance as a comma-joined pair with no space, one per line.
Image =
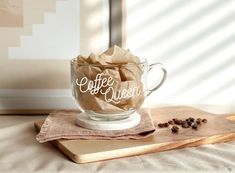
100,83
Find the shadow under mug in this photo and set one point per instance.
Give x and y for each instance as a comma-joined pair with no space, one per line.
112,92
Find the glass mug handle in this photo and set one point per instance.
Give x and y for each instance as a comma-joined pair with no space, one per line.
163,78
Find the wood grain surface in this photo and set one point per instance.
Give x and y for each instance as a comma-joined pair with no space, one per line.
219,128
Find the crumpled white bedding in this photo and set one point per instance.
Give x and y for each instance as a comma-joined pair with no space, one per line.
20,152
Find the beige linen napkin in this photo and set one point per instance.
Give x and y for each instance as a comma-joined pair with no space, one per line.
61,124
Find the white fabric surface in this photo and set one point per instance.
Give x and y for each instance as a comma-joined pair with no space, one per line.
20,152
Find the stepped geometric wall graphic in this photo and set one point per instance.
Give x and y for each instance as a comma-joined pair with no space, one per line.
33,13
52,39
34,68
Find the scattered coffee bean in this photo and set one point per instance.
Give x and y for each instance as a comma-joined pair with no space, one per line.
178,122
198,121
166,124
191,119
194,126
161,125
175,129
204,120
185,125
189,123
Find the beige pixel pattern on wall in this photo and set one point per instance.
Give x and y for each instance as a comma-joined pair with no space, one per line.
56,38
18,74
50,72
11,13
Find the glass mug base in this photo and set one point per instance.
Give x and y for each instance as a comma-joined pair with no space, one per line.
109,117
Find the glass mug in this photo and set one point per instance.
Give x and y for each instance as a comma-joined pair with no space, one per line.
112,92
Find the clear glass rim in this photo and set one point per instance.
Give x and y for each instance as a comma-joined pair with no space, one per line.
143,61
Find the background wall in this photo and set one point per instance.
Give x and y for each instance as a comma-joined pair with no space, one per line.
194,39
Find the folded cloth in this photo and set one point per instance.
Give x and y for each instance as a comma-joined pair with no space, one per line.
61,124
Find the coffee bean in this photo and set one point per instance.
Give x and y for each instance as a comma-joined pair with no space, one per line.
198,121
170,122
178,122
166,124
191,119
194,126
204,120
185,125
161,125
189,123
175,129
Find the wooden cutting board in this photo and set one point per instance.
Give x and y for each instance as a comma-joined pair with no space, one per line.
219,128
